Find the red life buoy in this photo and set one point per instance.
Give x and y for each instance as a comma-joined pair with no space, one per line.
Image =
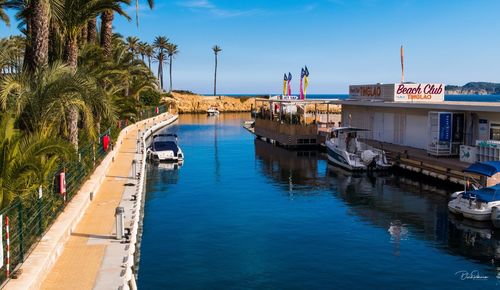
105,142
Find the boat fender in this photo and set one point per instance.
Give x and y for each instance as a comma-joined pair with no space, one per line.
368,156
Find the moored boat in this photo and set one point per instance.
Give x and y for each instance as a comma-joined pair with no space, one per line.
476,202
212,111
346,150
165,148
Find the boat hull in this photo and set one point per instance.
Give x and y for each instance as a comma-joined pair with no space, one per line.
471,209
341,158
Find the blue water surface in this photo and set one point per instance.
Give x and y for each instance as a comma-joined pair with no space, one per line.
243,214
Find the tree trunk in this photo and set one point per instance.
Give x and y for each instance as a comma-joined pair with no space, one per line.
28,56
170,74
39,39
72,52
160,74
107,32
91,31
83,36
215,76
149,62
73,126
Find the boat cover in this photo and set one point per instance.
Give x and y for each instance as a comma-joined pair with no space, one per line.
488,168
486,194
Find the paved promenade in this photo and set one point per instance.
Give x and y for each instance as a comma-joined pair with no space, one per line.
82,257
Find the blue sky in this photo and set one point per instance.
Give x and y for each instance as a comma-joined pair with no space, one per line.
341,41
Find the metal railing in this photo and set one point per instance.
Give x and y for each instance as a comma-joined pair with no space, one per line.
30,219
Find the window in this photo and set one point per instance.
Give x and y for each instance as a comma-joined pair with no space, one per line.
495,131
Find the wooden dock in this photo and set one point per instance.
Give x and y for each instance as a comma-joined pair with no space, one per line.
417,160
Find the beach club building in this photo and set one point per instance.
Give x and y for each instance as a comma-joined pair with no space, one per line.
416,115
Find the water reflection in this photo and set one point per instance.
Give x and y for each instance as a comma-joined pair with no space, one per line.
165,175
407,207
293,169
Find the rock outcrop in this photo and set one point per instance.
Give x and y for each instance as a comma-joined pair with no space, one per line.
192,103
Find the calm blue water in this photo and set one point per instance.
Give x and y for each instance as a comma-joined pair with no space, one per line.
465,98
242,214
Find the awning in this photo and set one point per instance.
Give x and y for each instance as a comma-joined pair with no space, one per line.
487,194
488,168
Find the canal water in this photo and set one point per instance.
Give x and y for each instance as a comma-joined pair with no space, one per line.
243,214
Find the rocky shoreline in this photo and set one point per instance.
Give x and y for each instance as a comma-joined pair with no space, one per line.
185,103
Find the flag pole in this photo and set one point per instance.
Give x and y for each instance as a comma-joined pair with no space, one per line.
402,65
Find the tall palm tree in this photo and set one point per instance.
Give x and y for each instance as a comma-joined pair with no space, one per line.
161,58
132,43
216,49
107,25
92,30
160,44
149,52
38,28
141,49
76,16
151,4
171,51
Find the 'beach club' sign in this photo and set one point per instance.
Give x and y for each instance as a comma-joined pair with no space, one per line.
418,92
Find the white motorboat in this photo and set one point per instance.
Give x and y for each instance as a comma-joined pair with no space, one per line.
476,202
165,148
345,149
212,111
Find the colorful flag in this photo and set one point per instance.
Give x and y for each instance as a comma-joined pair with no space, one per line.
302,75
306,81
289,85
285,85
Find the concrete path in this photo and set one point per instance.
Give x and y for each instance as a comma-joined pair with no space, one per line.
82,257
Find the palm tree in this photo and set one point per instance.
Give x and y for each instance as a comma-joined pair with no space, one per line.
171,51
26,161
76,16
44,100
37,55
161,58
107,25
151,4
132,43
3,16
216,49
92,30
160,44
149,52
141,49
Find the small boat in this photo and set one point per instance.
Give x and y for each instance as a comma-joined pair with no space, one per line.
476,202
212,111
164,147
344,149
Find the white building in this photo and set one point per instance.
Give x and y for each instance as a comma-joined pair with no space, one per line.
416,115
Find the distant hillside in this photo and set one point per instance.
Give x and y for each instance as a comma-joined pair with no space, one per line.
474,88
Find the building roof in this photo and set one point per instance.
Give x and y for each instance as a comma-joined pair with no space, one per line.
445,105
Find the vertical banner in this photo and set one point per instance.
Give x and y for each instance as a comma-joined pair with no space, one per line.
306,81
285,80
445,127
302,75
289,85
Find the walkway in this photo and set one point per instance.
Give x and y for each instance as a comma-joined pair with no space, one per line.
82,257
